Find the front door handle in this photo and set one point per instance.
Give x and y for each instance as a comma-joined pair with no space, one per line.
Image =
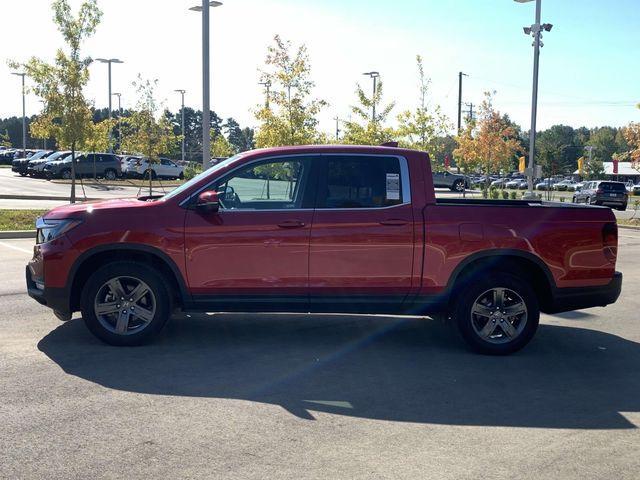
291,224
394,222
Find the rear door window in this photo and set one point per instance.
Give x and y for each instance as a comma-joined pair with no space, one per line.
361,182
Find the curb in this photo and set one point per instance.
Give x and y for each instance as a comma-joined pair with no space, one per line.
45,197
7,234
629,227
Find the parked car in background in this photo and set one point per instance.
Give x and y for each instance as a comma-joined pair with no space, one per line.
20,165
165,168
500,182
513,184
97,165
565,185
35,168
127,164
546,184
602,192
452,181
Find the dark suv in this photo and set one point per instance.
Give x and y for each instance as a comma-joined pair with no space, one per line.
105,165
599,192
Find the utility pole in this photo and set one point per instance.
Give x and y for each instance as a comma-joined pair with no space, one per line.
460,75
182,92
24,116
470,117
44,140
267,88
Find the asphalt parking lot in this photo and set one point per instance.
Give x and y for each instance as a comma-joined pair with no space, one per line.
324,397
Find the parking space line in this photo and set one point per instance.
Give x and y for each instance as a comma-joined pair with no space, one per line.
8,245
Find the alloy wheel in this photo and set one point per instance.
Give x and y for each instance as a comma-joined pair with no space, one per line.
499,315
125,305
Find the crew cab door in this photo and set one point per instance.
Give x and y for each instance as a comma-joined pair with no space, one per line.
362,239
256,247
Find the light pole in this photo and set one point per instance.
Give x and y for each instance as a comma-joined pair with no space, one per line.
182,92
109,61
374,76
206,120
119,95
24,116
535,31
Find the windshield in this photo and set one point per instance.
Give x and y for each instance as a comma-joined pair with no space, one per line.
185,186
57,155
37,155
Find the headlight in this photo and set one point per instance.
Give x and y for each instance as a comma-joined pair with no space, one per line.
48,230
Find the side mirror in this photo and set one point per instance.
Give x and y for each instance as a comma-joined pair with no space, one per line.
208,202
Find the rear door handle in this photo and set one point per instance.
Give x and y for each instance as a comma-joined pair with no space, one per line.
394,222
291,224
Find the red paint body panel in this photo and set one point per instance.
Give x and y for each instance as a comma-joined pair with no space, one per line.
334,252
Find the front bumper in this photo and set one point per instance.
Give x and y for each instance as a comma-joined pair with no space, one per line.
567,299
54,298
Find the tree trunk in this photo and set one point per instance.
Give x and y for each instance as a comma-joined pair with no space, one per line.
150,178
72,199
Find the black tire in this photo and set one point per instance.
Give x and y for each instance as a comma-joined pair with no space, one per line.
471,289
458,186
573,200
588,201
23,174
181,176
110,174
132,270
622,208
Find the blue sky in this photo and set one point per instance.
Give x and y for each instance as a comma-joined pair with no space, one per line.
590,74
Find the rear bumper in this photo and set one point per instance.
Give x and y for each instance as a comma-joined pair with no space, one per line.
566,299
54,298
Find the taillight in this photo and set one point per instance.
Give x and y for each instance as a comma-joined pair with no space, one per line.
599,191
610,241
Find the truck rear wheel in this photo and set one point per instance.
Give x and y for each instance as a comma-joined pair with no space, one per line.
496,315
125,303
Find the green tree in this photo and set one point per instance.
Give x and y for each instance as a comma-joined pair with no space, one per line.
241,139
221,147
290,118
369,130
5,141
557,150
145,131
67,116
605,142
422,128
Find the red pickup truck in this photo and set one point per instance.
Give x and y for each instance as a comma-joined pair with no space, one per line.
323,229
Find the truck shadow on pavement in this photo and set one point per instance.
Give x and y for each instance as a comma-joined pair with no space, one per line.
386,368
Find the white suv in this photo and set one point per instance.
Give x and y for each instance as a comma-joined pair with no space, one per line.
165,168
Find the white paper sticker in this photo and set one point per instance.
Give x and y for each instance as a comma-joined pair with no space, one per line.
393,186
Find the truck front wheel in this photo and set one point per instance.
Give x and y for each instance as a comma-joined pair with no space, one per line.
496,315
458,186
125,303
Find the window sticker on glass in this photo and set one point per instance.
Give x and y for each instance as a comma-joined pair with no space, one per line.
393,186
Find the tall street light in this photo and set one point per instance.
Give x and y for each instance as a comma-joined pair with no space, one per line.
374,76
535,31
24,116
182,92
109,61
119,95
206,120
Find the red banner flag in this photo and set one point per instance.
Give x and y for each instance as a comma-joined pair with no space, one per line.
615,167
